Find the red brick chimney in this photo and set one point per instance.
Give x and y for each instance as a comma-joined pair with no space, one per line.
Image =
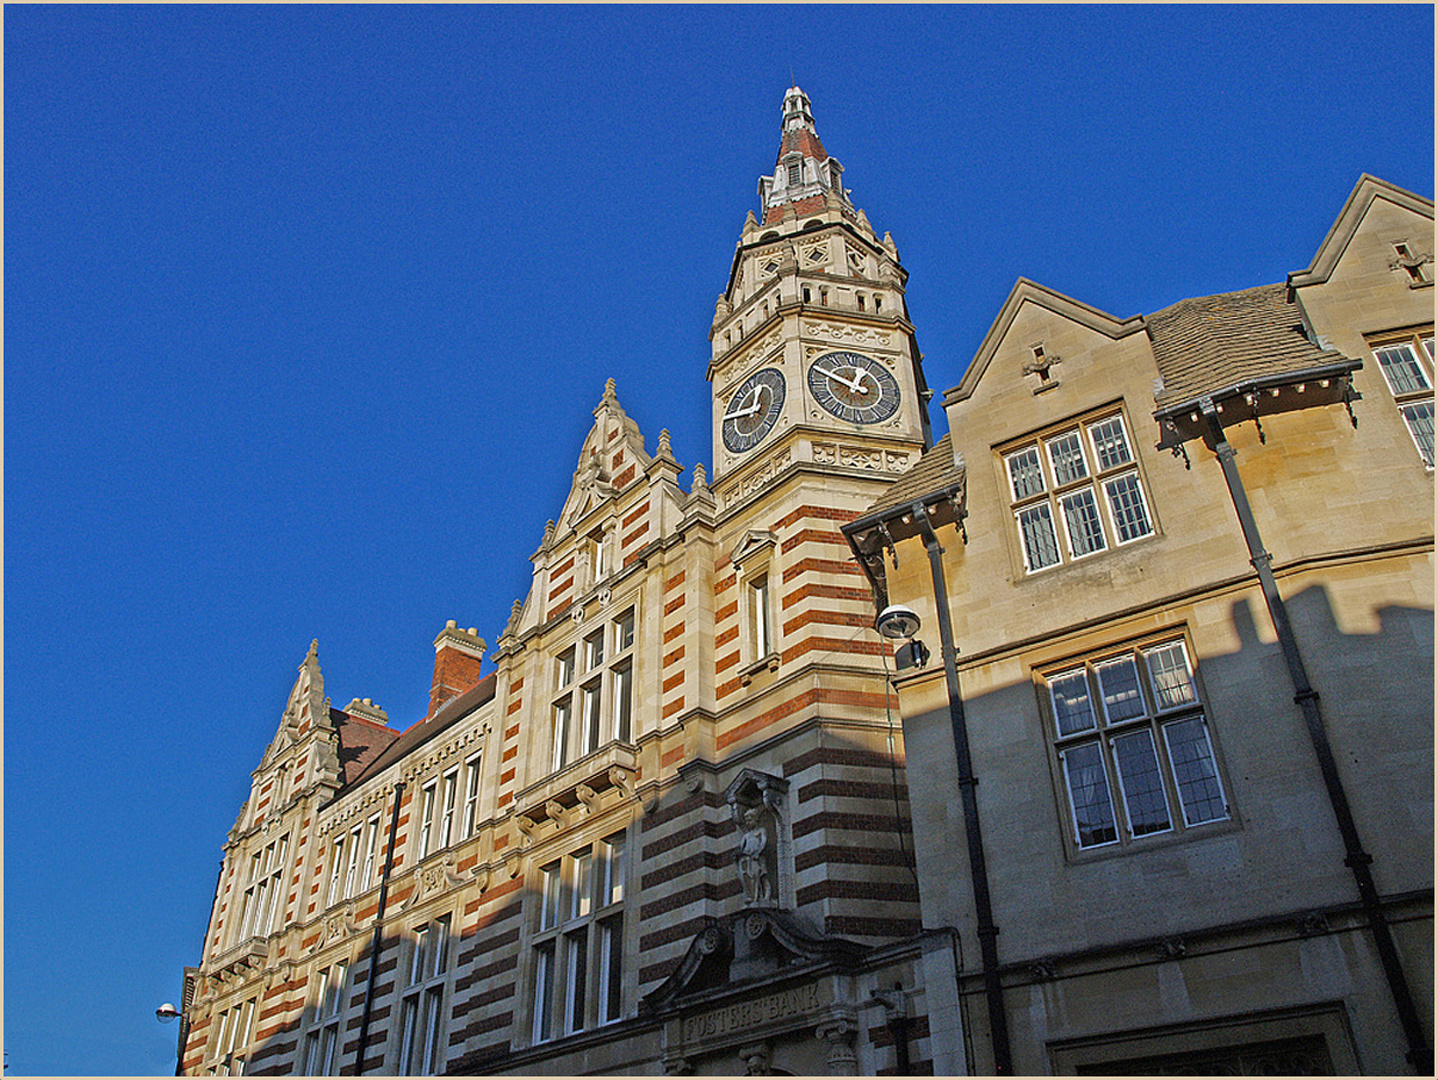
457,655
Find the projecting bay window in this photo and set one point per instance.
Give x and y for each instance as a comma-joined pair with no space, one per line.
579,941
1406,360
1132,747
322,1043
1076,492
264,890
422,1023
594,692
230,1050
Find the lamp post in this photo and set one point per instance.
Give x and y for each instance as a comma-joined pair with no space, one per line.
168,1014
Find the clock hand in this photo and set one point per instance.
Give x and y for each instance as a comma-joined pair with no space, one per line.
856,386
745,412
837,377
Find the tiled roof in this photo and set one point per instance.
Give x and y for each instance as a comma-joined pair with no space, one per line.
360,742
400,745
805,141
935,471
1212,343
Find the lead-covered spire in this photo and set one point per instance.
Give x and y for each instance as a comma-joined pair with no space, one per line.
804,174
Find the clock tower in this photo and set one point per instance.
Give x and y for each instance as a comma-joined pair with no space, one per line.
813,356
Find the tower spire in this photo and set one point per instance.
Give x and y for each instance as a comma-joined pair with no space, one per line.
805,177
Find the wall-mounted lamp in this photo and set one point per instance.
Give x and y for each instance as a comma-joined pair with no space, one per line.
895,622
167,1013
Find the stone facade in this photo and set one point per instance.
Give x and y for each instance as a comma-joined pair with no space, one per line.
689,823
668,832
1146,692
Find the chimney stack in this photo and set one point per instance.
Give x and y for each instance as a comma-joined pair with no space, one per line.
457,656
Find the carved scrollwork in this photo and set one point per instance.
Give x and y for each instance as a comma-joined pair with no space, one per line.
620,779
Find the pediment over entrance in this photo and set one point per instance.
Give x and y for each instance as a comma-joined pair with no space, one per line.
746,948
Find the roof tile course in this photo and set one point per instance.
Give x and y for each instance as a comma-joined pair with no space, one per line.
1211,343
935,471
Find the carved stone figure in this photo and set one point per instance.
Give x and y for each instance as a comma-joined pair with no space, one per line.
754,856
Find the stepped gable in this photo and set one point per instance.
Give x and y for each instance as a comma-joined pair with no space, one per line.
1212,343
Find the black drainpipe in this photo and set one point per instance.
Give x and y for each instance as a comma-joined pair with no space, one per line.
1420,1056
983,911
378,932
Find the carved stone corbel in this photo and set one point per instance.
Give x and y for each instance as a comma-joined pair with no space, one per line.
555,812
278,974
620,779
678,1067
757,1059
526,826
588,797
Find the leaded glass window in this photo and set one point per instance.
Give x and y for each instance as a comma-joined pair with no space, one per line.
1084,477
1135,756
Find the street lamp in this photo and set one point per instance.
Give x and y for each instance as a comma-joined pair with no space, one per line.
168,1013
895,622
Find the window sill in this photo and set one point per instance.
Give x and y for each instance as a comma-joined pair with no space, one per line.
1134,848
770,663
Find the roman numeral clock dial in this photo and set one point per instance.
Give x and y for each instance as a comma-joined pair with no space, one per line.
854,387
753,410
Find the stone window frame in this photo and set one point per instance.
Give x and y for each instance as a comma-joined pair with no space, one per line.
229,1051
324,1042
473,786
1109,700
1200,1041
263,889
577,940
756,575
348,875
1058,503
593,688
420,1032
1414,402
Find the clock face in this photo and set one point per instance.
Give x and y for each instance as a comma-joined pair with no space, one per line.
753,410
854,387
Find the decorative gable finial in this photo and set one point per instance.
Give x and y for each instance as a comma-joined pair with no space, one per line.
701,479
515,610
609,394
548,533
664,449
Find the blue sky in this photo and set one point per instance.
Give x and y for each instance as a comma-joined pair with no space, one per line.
307,309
